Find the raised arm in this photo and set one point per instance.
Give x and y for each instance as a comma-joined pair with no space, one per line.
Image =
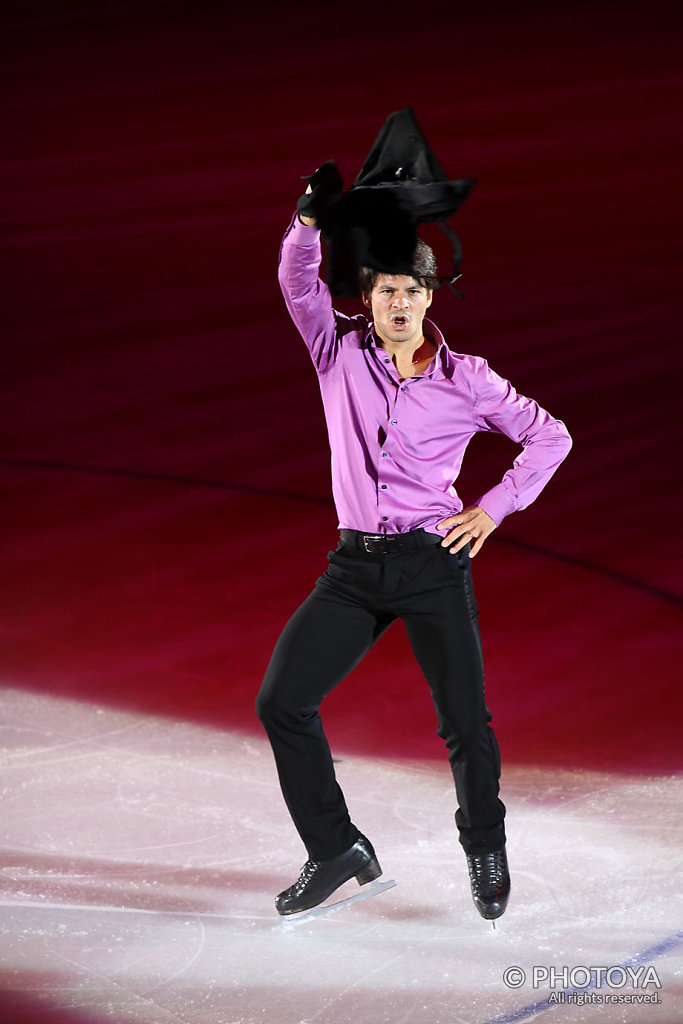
306,296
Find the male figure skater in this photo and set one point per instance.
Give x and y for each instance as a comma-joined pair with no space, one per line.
401,408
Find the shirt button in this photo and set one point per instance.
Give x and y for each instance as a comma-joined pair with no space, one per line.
402,389
384,518
394,422
385,455
387,360
384,487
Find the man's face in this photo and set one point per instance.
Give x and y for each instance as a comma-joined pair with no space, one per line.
398,305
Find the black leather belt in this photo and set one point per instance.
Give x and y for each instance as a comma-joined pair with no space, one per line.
389,543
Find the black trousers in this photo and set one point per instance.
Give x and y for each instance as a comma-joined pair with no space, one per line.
352,604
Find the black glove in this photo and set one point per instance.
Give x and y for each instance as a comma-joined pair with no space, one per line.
326,185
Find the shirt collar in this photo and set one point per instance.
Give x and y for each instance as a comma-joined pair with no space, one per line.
438,367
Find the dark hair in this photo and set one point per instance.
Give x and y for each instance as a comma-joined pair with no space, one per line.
423,270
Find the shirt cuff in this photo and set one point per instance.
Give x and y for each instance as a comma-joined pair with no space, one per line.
496,503
303,234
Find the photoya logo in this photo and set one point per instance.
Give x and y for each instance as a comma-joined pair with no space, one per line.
582,978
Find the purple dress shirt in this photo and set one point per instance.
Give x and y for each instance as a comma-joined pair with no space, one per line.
397,446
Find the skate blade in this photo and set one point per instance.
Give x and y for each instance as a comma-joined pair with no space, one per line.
373,889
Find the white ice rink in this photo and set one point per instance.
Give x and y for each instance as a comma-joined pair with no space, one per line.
140,857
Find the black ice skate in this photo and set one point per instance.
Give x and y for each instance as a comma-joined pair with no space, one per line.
490,881
320,878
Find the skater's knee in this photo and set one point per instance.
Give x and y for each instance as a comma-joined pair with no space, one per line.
273,708
265,707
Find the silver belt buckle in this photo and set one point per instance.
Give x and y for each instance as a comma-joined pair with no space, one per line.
368,537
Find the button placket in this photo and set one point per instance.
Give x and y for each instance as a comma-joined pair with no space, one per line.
386,454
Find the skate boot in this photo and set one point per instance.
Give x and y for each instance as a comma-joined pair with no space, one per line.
490,881
320,878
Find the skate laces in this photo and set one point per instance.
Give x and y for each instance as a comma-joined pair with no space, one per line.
307,872
487,869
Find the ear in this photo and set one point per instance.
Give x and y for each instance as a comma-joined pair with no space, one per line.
430,296
367,301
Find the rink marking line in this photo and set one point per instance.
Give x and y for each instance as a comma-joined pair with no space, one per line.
374,889
543,1006
110,982
193,959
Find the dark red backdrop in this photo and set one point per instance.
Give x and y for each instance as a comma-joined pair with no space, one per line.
165,484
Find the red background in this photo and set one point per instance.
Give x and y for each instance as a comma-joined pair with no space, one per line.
165,481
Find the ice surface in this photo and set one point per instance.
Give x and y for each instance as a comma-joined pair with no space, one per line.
140,857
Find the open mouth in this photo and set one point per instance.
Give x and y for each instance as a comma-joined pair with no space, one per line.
399,321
